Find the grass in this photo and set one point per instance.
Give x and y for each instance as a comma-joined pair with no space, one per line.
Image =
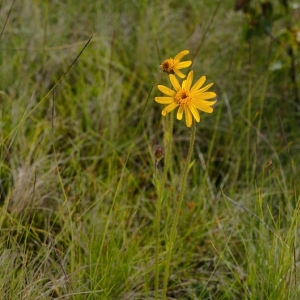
77,195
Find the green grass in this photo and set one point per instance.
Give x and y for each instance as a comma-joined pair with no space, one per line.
77,199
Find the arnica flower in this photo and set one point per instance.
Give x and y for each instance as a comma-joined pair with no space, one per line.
189,98
172,66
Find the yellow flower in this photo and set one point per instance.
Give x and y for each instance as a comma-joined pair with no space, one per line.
189,98
172,66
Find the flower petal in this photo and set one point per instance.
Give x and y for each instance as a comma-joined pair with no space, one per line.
194,112
164,100
188,116
166,90
180,112
184,64
175,83
204,105
205,88
178,73
169,108
189,81
198,84
203,96
180,55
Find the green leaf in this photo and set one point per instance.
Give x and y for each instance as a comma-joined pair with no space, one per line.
191,164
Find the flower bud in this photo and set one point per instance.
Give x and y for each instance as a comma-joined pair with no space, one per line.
159,153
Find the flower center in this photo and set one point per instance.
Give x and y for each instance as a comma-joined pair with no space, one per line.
182,96
168,66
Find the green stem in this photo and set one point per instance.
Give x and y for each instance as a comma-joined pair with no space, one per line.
168,141
171,242
161,185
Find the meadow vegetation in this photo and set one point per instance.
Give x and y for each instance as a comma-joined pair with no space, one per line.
79,127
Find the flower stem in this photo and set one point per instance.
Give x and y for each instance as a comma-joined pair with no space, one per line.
171,241
160,192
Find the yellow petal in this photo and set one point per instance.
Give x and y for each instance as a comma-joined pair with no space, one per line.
204,105
189,80
180,55
180,112
169,108
198,84
184,64
188,117
178,73
166,90
175,83
203,96
205,88
194,112
164,100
